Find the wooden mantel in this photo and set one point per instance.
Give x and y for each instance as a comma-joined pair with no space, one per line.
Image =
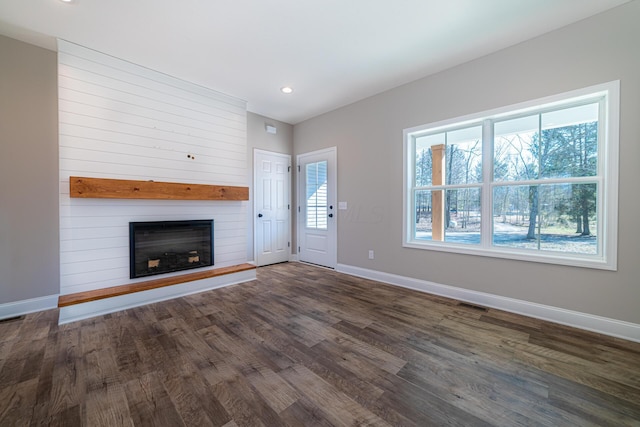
83,187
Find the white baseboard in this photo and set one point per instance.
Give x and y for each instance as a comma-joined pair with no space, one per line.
616,328
18,308
86,310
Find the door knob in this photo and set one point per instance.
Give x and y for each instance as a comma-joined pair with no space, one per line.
259,215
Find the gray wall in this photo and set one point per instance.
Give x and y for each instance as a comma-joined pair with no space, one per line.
257,137
29,248
368,135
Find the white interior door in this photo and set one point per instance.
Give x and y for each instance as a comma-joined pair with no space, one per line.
317,218
272,172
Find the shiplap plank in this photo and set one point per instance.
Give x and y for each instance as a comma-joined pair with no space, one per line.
106,276
219,141
124,97
183,162
226,259
133,213
93,233
211,154
95,117
193,137
92,255
106,221
102,170
72,99
123,232
151,167
175,111
88,244
94,265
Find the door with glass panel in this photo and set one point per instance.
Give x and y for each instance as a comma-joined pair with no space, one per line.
317,210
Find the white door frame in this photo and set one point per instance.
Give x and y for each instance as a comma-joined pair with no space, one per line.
256,209
332,154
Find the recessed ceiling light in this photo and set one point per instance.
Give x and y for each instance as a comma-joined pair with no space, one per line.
67,1
286,89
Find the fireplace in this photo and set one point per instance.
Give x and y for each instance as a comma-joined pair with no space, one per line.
165,246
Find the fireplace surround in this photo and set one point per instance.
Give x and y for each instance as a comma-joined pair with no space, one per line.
159,247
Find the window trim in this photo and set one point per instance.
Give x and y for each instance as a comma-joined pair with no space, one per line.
608,166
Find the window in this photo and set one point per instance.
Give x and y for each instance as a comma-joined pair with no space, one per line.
316,178
535,182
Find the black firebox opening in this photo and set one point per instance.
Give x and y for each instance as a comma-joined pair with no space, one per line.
165,246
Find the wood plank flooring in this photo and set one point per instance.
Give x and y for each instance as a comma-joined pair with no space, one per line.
306,346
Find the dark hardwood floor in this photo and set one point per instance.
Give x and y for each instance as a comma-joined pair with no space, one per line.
305,346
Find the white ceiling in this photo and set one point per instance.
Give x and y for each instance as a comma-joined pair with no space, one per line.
332,52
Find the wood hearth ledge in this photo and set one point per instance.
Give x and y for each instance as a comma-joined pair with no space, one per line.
82,297
105,188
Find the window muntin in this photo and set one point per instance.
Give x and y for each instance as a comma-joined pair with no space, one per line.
547,162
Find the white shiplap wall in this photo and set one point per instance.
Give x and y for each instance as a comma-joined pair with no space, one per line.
120,120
